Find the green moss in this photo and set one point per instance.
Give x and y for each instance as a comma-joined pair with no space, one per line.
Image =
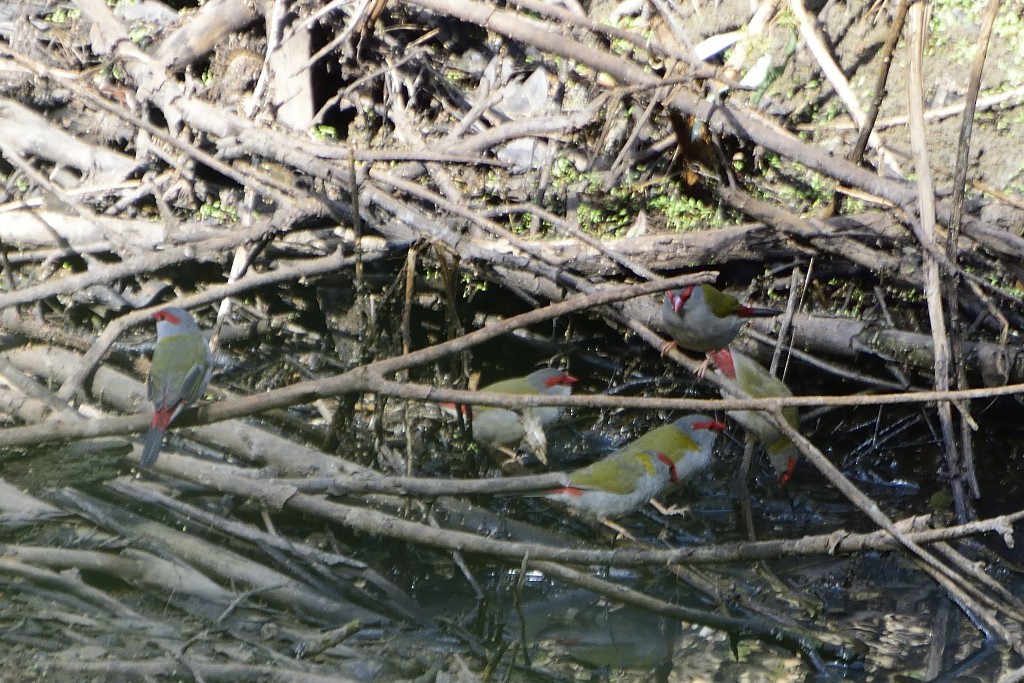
322,132
216,212
64,15
684,214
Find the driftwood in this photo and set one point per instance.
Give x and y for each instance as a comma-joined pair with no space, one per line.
274,512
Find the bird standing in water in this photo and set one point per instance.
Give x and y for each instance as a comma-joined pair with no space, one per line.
498,427
757,382
640,470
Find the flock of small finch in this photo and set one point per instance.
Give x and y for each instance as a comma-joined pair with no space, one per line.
700,318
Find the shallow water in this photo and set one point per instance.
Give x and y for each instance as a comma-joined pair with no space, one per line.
879,599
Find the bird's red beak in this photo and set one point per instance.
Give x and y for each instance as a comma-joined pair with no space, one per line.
679,298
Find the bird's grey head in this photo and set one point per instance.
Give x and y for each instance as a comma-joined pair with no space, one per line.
173,320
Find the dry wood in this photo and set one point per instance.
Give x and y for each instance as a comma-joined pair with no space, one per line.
121,145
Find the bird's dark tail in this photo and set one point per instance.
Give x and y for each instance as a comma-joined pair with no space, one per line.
748,312
151,446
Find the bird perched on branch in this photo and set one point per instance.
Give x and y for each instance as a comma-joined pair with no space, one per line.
178,376
498,427
640,470
701,318
757,382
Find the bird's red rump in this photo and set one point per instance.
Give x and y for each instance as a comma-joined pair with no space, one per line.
713,425
788,474
567,490
564,378
464,409
723,359
164,314
673,475
162,418
751,312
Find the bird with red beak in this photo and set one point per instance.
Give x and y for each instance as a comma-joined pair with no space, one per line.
701,318
178,376
498,427
640,470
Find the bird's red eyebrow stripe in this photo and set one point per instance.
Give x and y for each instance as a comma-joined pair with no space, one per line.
561,379
711,424
165,315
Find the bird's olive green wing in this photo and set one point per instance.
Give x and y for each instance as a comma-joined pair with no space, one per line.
180,364
665,439
516,385
756,380
720,303
614,474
